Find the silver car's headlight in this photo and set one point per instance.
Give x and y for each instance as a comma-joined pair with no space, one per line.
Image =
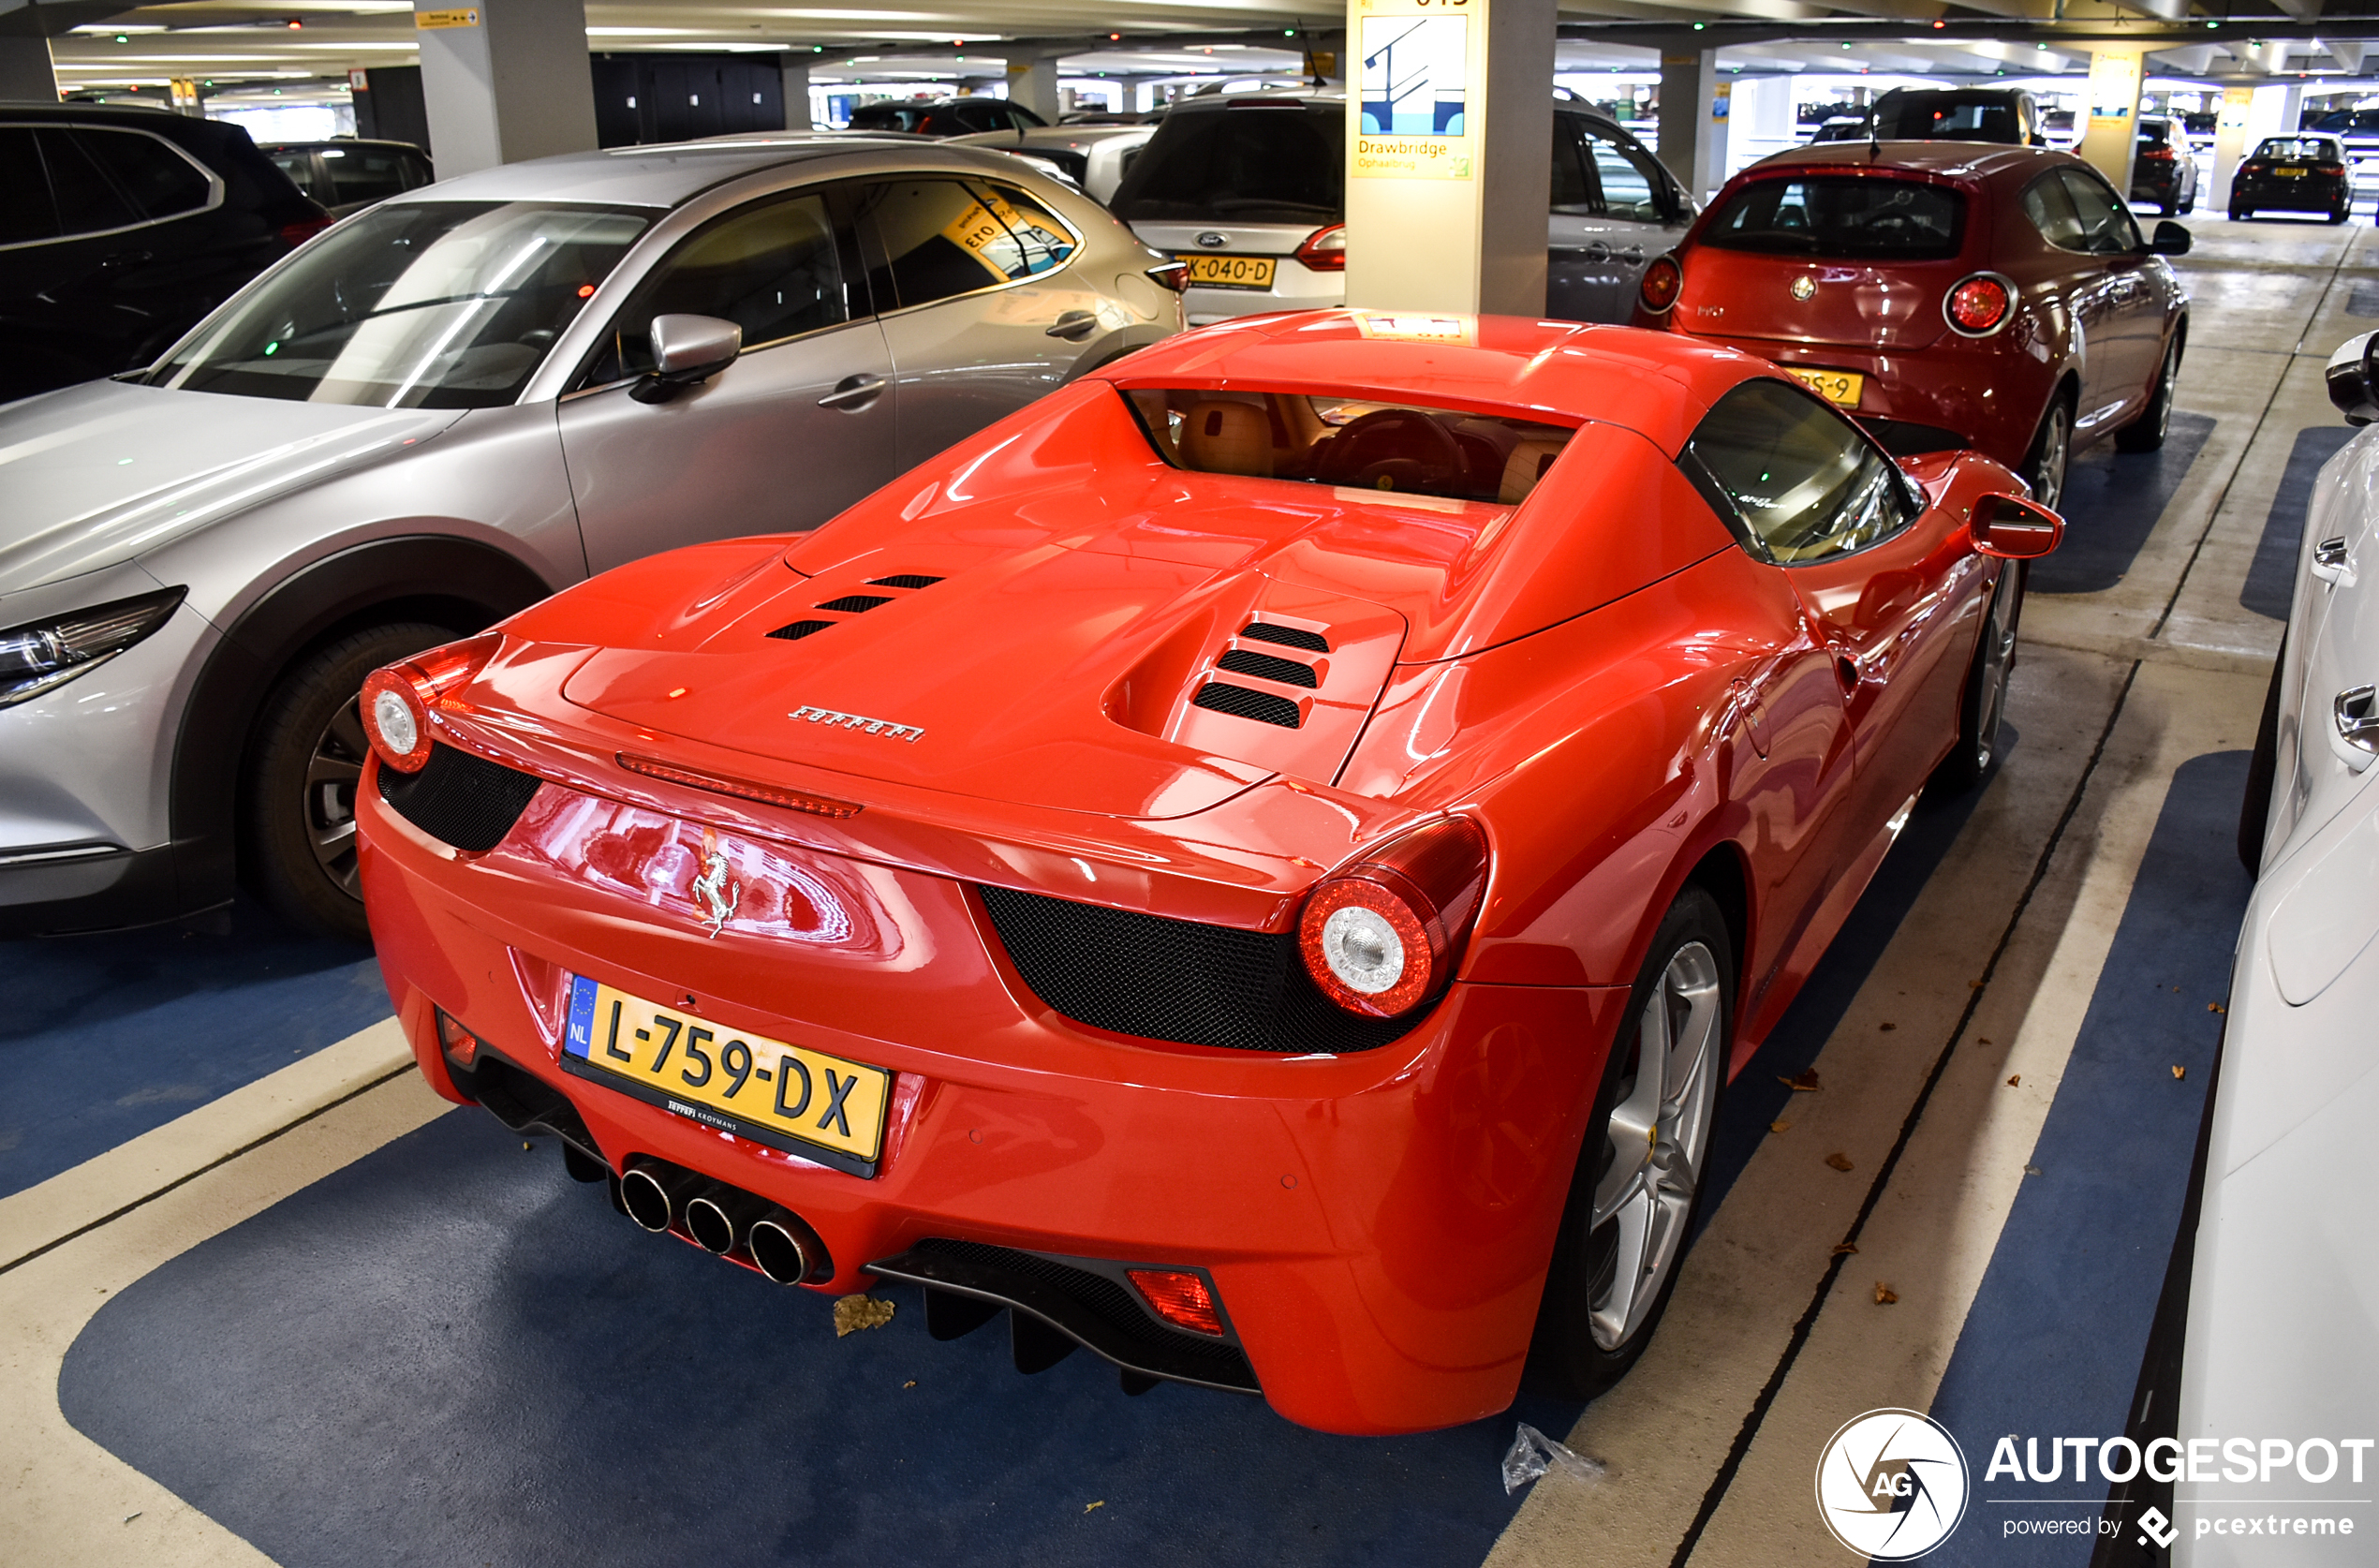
34,657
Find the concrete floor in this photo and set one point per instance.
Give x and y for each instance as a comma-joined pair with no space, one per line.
226,1334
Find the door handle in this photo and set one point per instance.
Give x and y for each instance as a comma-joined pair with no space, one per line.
126,259
2332,564
853,392
1074,325
2353,733
1597,251
1632,253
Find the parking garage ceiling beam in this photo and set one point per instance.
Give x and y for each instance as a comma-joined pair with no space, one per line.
51,18
2076,37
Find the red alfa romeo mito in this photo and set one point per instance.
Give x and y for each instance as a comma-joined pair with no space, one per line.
1948,293
1259,864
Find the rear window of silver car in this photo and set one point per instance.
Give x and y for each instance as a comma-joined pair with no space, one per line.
446,304
1849,218
1350,440
1247,163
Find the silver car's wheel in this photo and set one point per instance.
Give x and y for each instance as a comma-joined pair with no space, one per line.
332,774
1617,1255
1658,1135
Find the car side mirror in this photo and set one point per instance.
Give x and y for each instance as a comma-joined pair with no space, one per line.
2014,529
2170,239
2351,374
687,351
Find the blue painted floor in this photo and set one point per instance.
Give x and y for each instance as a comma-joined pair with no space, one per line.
450,1353
103,1037
2053,1341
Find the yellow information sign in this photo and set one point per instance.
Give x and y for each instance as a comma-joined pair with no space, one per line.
1413,116
466,17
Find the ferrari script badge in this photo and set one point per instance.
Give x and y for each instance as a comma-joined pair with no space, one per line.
858,722
1803,287
718,894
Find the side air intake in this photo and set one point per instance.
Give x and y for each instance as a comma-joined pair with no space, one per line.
800,629
460,799
1285,636
905,580
1288,671
851,604
1244,702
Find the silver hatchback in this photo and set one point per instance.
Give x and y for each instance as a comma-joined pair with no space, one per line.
450,406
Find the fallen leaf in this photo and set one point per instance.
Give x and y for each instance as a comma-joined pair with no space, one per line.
1801,1082
1983,1040
1839,1160
2216,1006
526,1148
910,1384
1884,1294
1779,1126
1843,1247
1088,1506
856,1313
1887,1026
1973,985
2031,1170
2180,1072
2015,1080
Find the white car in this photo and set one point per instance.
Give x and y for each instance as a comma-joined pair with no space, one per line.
2285,1288
1092,158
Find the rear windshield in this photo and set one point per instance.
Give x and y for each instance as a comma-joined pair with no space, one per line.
2297,149
1270,163
1358,442
1847,216
1945,117
2154,133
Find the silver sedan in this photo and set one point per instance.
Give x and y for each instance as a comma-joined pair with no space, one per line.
450,406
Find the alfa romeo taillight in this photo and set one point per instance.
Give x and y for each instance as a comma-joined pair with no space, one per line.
397,699
1383,935
1979,305
1662,280
1325,249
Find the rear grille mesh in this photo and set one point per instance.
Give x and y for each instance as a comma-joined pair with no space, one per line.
1246,702
800,629
1177,980
1286,636
1104,1299
905,580
851,604
460,799
1288,671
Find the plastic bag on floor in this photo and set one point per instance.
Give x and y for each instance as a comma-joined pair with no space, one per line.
1532,1454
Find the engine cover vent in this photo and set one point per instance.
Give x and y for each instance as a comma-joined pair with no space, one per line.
905,580
851,604
1288,671
1286,636
800,629
1247,702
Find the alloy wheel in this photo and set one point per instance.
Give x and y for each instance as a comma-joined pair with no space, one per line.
2050,453
1999,656
1659,1132
332,774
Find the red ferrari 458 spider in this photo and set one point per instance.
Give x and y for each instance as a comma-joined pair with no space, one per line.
1259,864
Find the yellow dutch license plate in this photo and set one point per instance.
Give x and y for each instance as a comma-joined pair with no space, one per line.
1840,387
1230,272
789,1097
2290,173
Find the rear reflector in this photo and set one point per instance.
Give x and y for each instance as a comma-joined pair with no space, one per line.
741,788
462,1047
1179,1297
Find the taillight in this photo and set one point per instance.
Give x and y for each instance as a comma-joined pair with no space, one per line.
1179,1297
1662,280
397,699
1979,305
294,234
2251,169
2157,155
462,1047
1325,249
1383,935
1171,274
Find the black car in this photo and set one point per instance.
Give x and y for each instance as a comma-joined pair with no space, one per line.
120,228
945,116
2292,174
348,175
2005,114
2163,173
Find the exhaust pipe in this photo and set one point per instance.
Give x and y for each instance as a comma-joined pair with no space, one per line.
655,1192
784,1249
719,1219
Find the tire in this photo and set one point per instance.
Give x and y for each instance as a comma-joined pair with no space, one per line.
1984,699
1641,1163
2254,807
2148,432
2340,214
2238,213
297,786
2052,454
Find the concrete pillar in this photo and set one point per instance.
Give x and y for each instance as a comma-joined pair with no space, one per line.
1033,83
26,72
2232,142
1449,155
1694,106
505,81
795,68
2113,130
